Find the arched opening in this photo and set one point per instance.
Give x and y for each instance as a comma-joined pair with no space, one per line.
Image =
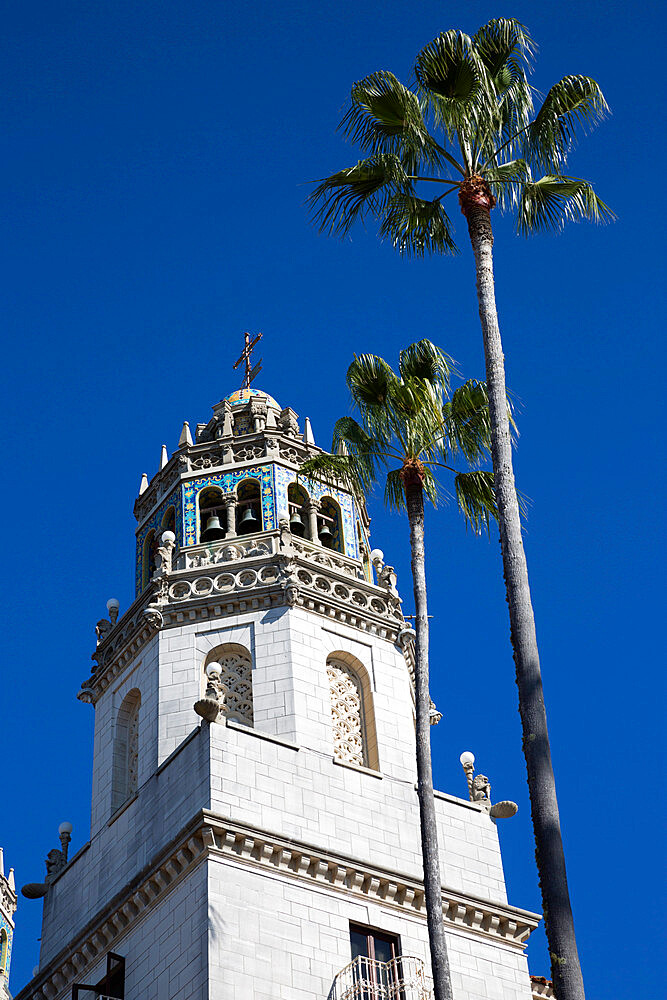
125,772
248,507
149,558
169,520
297,500
352,716
4,949
330,525
235,681
211,514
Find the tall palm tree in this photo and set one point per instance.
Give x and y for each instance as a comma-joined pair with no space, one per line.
410,427
468,125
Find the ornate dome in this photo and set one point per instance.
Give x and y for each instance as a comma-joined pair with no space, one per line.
243,395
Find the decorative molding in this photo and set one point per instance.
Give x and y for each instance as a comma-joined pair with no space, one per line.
542,988
208,835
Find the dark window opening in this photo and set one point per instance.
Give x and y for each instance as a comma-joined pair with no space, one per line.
112,984
377,957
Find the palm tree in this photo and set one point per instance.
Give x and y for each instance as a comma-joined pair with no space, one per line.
411,427
468,125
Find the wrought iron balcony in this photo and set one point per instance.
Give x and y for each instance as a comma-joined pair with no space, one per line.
403,978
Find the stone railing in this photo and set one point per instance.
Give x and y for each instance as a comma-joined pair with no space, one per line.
228,550
326,557
403,978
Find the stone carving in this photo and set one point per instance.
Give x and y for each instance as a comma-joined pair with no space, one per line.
387,579
153,616
235,686
248,453
288,422
166,553
346,713
290,455
102,630
481,788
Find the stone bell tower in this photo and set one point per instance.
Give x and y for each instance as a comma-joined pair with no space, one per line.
254,825
7,910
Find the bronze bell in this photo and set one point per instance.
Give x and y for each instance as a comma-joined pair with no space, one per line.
326,537
296,525
214,530
248,522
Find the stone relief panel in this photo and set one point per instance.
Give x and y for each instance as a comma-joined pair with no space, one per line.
236,686
346,713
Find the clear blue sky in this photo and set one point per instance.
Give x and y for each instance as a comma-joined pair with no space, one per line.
155,162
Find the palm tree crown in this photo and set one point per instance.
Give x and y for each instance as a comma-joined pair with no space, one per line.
411,426
467,124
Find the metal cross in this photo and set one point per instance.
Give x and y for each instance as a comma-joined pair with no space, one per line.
250,371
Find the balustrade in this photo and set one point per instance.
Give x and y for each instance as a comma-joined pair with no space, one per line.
403,978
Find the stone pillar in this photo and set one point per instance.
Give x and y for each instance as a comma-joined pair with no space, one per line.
312,510
230,514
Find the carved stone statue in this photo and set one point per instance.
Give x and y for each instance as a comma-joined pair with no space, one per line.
166,554
55,862
481,788
102,629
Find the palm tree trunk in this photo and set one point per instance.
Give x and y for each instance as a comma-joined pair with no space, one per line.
429,831
559,924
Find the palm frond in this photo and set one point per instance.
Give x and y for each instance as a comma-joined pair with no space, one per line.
394,494
574,103
370,379
467,421
426,361
356,192
502,39
476,499
336,470
387,117
506,181
548,203
415,226
451,78
433,491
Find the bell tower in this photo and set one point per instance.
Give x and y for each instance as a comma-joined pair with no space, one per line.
254,823
7,910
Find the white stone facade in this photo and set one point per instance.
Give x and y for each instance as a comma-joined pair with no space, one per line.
227,861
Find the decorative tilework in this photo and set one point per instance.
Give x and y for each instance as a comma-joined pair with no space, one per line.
5,946
243,395
227,481
154,522
318,490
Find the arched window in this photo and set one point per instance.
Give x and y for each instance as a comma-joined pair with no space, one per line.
211,506
330,525
235,681
4,949
125,776
148,558
248,507
297,499
168,521
351,712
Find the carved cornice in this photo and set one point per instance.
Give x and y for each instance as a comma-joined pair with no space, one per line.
209,835
303,575
542,988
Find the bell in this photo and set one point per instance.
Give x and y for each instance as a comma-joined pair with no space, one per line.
213,530
296,525
248,522
326,536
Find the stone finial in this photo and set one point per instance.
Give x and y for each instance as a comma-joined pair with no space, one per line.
308,436
144,483
164,457
11,880
186,436
227,423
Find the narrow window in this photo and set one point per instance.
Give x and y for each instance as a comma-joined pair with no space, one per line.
125,776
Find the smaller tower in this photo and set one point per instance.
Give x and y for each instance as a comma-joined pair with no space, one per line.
7,910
